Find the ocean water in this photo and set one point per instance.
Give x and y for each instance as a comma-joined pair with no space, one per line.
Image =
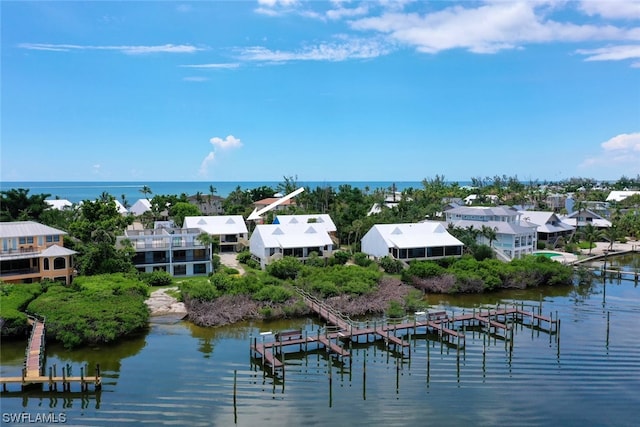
76,191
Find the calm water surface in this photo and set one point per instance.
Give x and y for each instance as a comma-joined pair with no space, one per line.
180,374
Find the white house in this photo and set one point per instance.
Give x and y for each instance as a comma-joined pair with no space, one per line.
514,238
585,216
270,242
391,200
323,220
549,226
59,204
231,229
140,206
618,196
424,240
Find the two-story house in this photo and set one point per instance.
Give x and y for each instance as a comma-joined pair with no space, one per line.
30,252
549,226
513,238
174,250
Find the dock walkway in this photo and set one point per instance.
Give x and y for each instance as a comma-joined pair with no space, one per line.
33,370
342,328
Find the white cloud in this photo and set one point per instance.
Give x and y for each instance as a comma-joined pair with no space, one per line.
276,7
344,12
229,142
612,9
195,79
275,3
129,50
214,66
337,51
620,155
219,144
626,142
488,28
611,53
206,162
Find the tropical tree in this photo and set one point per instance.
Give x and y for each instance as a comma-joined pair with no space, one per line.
181,210
289,184
489,233
211,196
94,232
590,234
209,240
611,234
18,205
146,191
124,201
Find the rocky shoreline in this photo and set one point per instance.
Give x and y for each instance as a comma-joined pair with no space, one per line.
161,303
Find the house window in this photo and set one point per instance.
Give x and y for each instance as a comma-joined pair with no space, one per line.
199,268
59,263
46,264
179,255
49,239
179,270
139,258
199,254
452,250
159,257
435,252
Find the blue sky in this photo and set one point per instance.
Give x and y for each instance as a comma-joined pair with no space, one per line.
322,90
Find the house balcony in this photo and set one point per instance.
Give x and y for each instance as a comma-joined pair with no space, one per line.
35,271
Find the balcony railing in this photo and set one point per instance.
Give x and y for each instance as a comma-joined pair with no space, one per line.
19,272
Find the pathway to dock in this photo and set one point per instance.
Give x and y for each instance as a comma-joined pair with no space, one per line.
33,370
438,322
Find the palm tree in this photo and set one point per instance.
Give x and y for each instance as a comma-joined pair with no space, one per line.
489,233
590,234
146,191
212,193
208,239
611,234
125,202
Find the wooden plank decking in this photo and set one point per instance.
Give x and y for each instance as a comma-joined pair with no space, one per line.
345,329
33,371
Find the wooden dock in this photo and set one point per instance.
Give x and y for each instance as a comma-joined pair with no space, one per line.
33,372
343,329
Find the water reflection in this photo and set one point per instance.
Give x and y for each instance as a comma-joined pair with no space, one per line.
181,374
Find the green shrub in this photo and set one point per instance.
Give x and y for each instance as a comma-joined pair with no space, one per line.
395,309
362,259
315,261
285,268
199,290
216,262
98,310
157,278
230,270
13,300
276,294
391,265
252,263
341,257
243,257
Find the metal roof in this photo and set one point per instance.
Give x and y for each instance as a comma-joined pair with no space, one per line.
26,229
